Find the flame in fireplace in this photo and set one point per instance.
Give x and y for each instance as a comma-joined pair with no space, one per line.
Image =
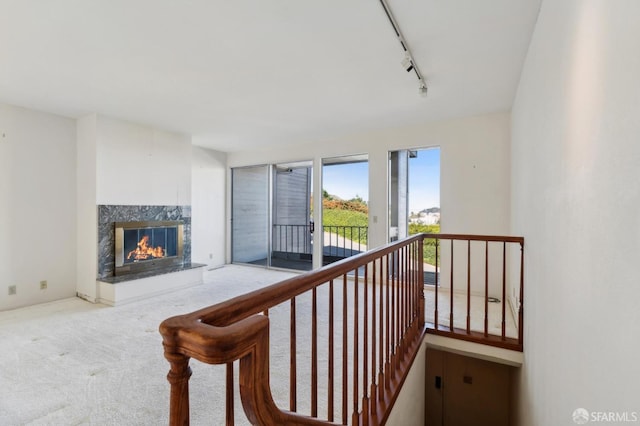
145,252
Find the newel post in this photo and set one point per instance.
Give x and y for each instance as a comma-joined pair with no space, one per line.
178,377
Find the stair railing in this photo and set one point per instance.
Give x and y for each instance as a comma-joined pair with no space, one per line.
373,307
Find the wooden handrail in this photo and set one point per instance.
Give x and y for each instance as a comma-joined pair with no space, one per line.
474,237
380,291
237,330
435,326
249,304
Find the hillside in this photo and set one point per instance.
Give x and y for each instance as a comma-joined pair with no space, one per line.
346,213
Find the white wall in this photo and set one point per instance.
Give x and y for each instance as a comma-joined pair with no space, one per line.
576,200
124,163
208,225
409,408
37,206
474,183
140,165
87,220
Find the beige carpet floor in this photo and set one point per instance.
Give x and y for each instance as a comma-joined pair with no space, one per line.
476,312
71,362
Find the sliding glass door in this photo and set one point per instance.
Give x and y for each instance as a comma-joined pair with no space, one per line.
271,215
250,215
292,229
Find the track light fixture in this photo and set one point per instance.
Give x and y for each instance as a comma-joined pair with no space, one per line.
408,62
422,89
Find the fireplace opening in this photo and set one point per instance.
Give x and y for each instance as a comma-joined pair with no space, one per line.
150,243
141,246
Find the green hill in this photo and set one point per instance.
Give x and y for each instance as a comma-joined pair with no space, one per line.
354,213
429,247
342,218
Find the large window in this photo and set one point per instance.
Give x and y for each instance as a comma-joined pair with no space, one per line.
345,210
414,199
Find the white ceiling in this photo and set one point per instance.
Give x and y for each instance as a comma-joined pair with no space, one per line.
246,73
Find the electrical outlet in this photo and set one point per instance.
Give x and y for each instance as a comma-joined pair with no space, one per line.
43,285
12,290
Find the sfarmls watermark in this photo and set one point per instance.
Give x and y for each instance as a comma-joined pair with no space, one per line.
581,416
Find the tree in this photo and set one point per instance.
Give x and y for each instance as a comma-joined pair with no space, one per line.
357,199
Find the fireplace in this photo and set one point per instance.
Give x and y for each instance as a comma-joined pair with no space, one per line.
148,245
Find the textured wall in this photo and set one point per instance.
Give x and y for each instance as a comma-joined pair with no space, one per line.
576,200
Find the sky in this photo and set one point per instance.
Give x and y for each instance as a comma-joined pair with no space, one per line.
424,180
348,180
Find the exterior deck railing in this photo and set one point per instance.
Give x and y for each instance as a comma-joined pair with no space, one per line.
292,239
344,241
339,241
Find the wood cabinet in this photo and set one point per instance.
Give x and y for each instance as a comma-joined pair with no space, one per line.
461,391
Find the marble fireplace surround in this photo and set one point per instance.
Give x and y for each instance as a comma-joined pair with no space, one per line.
113,289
